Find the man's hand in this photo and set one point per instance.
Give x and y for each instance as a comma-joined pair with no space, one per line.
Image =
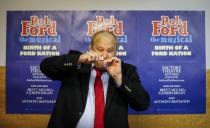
113,66
89,57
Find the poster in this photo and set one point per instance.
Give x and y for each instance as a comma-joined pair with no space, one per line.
167,47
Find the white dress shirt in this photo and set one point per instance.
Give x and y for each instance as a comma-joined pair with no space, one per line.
87,119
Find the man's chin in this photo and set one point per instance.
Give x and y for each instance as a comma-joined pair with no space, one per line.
100,66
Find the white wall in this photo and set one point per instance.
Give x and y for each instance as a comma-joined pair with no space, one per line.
101,5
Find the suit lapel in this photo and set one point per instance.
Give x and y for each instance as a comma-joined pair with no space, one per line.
84,83
110,93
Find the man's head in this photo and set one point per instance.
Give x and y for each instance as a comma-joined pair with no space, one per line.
105,44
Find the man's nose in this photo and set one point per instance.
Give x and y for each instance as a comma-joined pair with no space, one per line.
105,55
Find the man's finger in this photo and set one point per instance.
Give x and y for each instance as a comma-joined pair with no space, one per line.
117,60
110,60
95,54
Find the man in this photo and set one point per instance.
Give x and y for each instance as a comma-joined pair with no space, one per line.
96,88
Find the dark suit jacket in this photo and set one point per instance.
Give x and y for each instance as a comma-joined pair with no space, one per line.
73,92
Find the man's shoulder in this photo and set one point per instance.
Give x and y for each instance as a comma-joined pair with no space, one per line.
127,65
74,52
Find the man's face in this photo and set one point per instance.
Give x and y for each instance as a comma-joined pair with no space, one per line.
106,48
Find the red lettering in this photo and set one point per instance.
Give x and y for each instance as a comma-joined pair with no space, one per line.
155,28
24,28
164,20
99,18
47,20
52,29
119,29
183,29
38,27
34,20
173,30
42,30
33,31
169,27
164,31
90,28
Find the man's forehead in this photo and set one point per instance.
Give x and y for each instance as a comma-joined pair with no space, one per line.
103,35
104,40
101,44
105,43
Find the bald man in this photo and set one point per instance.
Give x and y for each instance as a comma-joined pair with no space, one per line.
96,86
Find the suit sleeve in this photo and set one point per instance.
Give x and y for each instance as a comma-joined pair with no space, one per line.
132,89
57,67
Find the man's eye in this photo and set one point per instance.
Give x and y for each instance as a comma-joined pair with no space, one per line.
100,50
110,51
